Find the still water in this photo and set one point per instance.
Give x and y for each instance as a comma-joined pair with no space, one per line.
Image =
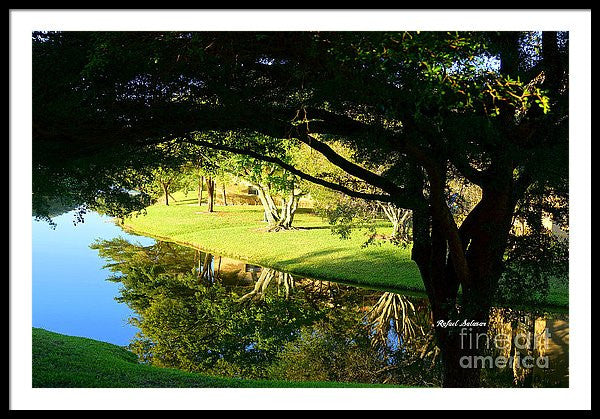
180,307
70,293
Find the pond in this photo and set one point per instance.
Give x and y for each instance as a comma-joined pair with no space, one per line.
69,291
183,308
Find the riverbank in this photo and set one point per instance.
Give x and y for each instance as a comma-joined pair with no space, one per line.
60,361
311,250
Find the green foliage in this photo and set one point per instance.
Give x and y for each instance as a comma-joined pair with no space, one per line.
444,90
195,326
211,333
259,172
96,186
343,213
535,265
331,351
141,269
172,179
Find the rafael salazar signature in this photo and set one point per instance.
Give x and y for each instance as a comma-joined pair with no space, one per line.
460,323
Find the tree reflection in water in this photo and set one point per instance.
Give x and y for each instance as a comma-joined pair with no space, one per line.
411,327
285,285
223,317
534,335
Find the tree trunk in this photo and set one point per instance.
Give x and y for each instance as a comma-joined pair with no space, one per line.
288,210
483,237
277,218
210,191
399,218
271,214
208,274
166,192
260,287
218,273
224,196
200,187
285,281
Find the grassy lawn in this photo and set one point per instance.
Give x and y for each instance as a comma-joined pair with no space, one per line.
311,250
75,362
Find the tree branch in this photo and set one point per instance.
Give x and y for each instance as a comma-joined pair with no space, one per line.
350,167
441,213
292,169
473,175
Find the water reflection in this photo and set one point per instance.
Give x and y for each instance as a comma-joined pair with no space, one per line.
536,347
219,316
69,295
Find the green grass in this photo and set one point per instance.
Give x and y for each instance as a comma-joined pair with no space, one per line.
67,361
311,250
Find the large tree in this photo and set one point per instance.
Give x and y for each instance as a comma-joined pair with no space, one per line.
488,107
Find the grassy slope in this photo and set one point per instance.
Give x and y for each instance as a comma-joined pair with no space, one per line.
69,361
312,251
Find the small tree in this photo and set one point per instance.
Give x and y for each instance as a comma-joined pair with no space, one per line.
272,184
400,219
168,180
202,168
